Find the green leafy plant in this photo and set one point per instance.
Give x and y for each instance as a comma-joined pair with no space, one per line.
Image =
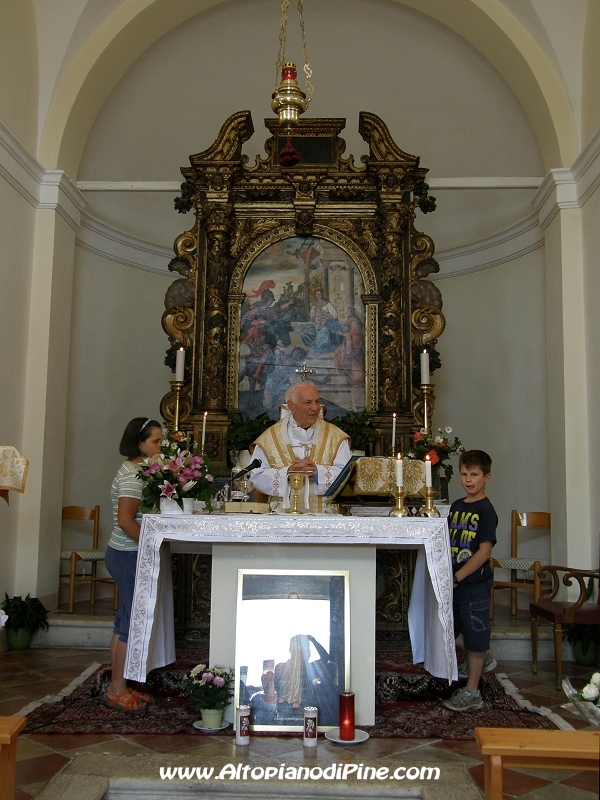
359,427
244,430
26,613
209,687
584,635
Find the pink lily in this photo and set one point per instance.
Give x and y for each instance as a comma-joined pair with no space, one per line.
167,489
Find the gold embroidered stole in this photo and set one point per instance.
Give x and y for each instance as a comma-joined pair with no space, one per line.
279,453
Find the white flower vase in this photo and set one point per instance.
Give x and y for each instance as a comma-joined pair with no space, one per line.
188,505
168,506
212,718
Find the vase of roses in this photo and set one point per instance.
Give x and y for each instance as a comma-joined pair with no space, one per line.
175,475
439,448
587,699
211,688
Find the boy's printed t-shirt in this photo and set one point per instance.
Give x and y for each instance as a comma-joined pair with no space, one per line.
470,524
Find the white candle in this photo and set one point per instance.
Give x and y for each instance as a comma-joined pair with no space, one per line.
399,475
393,432
180,365
427,471
424,367
203,430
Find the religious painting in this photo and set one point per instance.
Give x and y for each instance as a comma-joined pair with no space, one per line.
302,314
292,646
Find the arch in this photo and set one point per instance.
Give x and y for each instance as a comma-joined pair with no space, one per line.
487,24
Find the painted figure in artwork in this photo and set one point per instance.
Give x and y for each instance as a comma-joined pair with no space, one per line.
349,357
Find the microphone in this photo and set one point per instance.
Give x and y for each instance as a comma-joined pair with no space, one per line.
253,465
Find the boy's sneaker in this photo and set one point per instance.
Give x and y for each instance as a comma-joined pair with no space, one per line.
463,700
489,665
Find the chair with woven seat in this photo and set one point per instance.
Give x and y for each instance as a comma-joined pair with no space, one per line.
528,519
93,555
561,613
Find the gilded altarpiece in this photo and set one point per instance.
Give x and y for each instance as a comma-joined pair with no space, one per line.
318,254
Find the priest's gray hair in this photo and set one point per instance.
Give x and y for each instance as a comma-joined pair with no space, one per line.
292,392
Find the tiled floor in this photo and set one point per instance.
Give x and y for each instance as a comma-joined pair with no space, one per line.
35,673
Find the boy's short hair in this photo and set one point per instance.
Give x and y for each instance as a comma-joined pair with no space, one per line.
476,458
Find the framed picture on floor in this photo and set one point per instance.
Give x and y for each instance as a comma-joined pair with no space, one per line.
292,646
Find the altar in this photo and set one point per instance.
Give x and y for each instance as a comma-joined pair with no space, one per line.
268,539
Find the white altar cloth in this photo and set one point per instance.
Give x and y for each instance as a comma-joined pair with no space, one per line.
151,635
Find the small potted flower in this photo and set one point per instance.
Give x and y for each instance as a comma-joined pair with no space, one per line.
211,689
22,617
175,475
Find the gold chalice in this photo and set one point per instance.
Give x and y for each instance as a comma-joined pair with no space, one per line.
296,480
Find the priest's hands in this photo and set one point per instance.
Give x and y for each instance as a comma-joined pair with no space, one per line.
303,465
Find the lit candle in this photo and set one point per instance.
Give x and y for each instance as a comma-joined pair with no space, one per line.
399,475
203,430
393,431
427,471
424,367
180,365
347,730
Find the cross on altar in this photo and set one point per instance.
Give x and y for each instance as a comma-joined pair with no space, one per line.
305,371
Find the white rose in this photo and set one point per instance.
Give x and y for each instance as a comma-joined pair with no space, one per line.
448,429
595,679
3,618
590,692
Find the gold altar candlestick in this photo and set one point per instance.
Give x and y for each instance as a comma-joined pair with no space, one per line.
176,387
427,390
296,483
429,510
400,510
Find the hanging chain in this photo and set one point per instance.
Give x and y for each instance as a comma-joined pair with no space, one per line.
282,35
307,69
281,53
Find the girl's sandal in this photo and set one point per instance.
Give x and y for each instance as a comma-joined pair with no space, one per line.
142,697
124,700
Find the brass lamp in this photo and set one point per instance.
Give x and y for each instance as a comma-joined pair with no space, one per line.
288,100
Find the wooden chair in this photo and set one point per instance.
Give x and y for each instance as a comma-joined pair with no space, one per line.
529,519
81,554
559,613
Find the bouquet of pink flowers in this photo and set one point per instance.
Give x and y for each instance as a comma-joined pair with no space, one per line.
438,448
209,687
175,473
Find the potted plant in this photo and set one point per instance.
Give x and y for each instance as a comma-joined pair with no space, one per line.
23,618
584,641
211,689
244,430
360,429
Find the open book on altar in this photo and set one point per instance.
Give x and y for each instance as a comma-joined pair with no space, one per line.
342,479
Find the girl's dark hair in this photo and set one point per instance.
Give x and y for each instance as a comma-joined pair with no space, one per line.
138,430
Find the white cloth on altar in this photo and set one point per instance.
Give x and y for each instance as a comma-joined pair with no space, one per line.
152,639
274,483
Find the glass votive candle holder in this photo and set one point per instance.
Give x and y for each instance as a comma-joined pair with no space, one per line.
310,726
347,728
242,725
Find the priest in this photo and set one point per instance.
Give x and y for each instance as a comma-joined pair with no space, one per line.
300,442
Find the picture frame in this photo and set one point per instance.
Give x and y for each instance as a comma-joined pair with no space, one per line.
284,663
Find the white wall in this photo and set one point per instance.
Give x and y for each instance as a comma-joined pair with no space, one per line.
492,385
16,236
116,373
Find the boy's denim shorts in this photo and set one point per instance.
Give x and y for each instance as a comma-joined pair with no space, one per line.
471,604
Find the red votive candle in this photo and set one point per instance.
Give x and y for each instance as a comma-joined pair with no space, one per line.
347,716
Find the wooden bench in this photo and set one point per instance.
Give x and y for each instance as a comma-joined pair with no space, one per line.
10,728
517,747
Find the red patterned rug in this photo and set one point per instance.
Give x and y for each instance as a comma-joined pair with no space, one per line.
408,704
